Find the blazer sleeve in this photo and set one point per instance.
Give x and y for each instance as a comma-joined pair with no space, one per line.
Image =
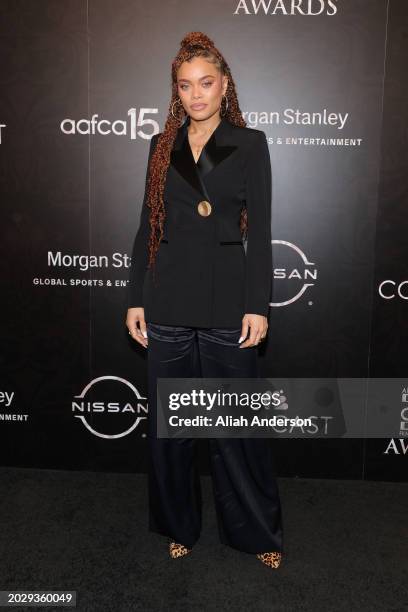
140,256
259,245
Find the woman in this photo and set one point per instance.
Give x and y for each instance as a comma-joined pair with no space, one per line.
199,303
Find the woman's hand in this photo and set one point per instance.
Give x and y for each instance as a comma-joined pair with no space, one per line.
135,317
258,325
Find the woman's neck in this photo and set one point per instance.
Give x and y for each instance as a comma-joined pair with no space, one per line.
202,129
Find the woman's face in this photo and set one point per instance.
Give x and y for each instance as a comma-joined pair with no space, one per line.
200,87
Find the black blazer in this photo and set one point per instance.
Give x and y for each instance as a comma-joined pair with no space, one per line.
204,276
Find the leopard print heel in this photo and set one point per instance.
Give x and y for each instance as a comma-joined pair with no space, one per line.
178,550
272,559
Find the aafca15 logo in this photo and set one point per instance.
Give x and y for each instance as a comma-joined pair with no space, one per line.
110,407
293,273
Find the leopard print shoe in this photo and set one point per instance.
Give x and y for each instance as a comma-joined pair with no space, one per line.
178,550
273,559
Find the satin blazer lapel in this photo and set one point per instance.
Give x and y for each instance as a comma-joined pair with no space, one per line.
213,153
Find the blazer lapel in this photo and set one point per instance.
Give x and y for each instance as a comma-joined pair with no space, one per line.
212,154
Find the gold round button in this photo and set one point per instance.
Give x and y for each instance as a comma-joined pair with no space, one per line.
204,208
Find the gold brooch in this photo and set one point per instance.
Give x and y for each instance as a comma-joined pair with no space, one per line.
204,208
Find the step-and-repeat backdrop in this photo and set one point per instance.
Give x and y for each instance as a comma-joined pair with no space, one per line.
84,85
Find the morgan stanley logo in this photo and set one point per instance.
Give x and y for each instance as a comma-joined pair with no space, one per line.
286,7
293,273
102,414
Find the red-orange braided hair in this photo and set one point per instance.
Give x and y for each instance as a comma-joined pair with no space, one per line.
194,44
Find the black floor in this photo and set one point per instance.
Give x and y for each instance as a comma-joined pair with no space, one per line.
345,547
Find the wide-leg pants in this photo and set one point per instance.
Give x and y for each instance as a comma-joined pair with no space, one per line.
245,490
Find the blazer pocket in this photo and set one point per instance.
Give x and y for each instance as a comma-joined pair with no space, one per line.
231,242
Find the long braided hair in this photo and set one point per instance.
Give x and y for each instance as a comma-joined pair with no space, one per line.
194,44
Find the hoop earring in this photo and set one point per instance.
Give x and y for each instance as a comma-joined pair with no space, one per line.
226,106
171,110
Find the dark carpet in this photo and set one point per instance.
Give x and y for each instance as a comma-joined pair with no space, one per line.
345,547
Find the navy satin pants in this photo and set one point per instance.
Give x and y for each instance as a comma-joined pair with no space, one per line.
245,490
